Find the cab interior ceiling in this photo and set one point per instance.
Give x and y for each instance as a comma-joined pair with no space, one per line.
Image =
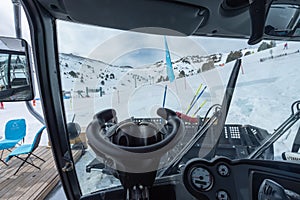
188,17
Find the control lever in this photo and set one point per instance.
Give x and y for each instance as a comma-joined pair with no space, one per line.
291,156
270,189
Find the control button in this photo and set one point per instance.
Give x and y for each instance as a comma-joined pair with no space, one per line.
222,195
223,170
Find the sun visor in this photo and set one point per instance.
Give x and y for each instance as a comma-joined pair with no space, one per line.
131,14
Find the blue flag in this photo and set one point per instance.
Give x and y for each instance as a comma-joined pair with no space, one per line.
170,71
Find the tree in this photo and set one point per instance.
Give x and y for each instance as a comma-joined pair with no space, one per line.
81,79
234,55
181,74
208,66
247,53
112,76
186,60
161,78
265,45
73,74
273,43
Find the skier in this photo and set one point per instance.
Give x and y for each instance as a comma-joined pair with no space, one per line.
18,60
285,46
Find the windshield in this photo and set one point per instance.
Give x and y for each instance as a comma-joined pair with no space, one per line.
136,74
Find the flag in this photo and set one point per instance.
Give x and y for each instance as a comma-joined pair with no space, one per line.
170,71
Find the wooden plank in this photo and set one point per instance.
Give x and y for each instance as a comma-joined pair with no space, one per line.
26,177
43,182
42,177
30,183
10,182
46,188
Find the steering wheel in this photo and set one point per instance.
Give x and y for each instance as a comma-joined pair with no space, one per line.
135,147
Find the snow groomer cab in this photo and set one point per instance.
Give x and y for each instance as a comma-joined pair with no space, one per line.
183,99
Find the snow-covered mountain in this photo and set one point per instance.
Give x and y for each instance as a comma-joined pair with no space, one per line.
79,73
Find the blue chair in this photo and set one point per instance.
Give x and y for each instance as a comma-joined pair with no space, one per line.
15,131
27,149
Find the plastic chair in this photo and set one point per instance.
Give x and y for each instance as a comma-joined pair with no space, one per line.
15,131
27,149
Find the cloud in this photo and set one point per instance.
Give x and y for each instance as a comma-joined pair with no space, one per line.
130,48
135,45
140,57
81,39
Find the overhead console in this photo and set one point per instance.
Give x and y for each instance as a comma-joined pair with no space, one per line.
173,17
224,179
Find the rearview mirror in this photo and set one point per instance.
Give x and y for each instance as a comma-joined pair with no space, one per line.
283,20
15,71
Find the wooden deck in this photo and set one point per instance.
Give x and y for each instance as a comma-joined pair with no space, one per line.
30,183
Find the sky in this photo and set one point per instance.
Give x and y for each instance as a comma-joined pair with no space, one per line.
7,21
85,41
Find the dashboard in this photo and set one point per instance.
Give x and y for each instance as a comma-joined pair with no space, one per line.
223,179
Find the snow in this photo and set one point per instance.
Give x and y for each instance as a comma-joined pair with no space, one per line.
263,96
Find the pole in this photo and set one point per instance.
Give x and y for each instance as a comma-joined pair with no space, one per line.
87,92
197,92
18,30
196,100
204,102
165,95
17,18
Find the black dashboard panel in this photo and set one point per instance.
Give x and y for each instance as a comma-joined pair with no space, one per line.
241,179
227,179
166,188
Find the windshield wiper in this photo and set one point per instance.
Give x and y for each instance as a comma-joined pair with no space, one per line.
218,128
197,136
219,116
